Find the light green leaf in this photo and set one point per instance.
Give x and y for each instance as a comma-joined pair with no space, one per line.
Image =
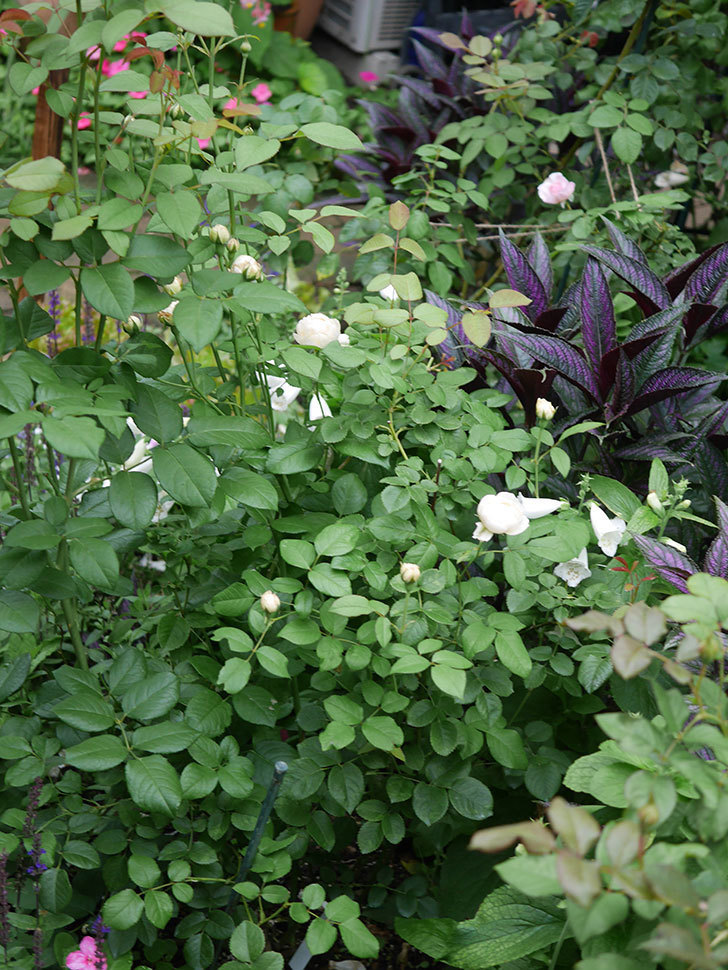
332,136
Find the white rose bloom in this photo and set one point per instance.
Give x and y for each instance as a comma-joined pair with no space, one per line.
282,394
670,180
544,409
409,572
318,408
609,532
344,340
508,514
389,293
317,330
158,565
270,602
247,266
573,571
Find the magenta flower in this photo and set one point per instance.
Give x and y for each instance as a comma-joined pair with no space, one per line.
86,958
203,142
110,68
84,121
230,104
368,77
138,94
262,93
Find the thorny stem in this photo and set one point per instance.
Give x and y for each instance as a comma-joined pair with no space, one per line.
605,164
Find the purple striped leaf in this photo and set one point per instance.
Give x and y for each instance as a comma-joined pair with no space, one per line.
550,319
412,115
623,243
565,359
657,322
636,274
722,511
424,91
669,383
538,257
671,564
658,354
528,384
644,303
623,390
432,66
716,558
708,277
522,277
713,423
654,448
598,327
694,320
717,324
710,465
676,280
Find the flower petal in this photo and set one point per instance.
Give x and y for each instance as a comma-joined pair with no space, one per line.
537,507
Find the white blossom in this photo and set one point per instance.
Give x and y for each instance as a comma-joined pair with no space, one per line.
609,532
575,570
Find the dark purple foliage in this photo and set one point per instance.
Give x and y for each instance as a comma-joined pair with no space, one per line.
670,563
651,405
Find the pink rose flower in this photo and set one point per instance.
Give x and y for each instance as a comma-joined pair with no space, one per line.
203,142
84,121
230,104
368,77
262,93
138,94
110,68
556,188
93,53
36,91
86,957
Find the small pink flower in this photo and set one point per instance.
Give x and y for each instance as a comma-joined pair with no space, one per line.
84,122
368,77
84,170
110,68
231,104
86,958
203,142
138,94
93,53
262,93
36,91
556,188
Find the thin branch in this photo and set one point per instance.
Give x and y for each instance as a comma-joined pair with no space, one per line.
605,164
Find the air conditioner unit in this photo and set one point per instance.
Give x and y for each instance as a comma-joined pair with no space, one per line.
368,25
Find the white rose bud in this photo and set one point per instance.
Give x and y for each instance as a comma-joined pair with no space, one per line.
220,234
317,330
173,288
133,324
270,602
247,266
545,410
232,245
654,503
409,572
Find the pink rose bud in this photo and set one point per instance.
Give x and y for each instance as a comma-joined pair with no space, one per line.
557,188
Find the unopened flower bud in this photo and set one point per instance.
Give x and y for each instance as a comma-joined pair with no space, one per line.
497,39
176,110
247,266
545,410
409,572
220,234
654,502
685,504
232,245
675,545
248,130
166,314
269,602
173,288
133,324
127,121
245,47
649,814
